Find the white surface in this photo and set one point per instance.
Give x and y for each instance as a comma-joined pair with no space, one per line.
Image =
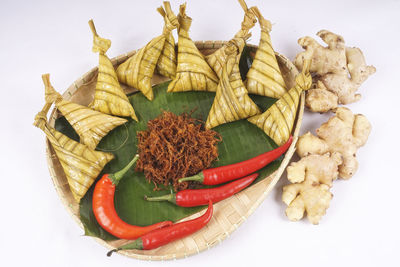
361,227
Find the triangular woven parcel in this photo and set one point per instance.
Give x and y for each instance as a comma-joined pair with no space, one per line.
138,70
90,125
81,164
278,120
264,77
109,97
231,102
217,59
166,64
192,73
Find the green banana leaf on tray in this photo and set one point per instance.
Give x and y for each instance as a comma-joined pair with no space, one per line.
241,140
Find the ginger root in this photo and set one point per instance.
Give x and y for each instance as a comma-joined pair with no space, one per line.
324,158
343,133
311,179
338,71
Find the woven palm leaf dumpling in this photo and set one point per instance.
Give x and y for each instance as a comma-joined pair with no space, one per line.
166,64
217,59
192,73
231,102
89,124
109,97
278,120
80,163
138,70
264,76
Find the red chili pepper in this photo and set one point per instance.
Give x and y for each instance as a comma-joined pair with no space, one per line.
227,173
199,197
166,235
104,210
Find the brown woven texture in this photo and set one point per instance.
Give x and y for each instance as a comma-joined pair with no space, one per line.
228,215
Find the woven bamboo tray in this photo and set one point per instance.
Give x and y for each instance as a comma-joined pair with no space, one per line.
228,215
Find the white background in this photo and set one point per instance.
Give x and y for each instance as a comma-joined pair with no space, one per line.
361,227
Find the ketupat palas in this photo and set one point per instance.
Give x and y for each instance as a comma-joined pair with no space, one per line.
231,102
109,97
90,125
166,64
217,59
264,76
138,70
81,164
192,73
277,121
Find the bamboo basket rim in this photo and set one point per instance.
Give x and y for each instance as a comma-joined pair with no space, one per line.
264,186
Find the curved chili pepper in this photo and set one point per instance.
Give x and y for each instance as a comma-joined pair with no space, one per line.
227,173
199,197
104,210
166,235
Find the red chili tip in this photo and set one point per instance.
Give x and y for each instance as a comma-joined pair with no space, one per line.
290,139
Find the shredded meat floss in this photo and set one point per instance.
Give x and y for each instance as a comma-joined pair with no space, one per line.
174,147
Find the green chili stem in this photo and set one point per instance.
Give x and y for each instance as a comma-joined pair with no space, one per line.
116,177
170,197
137,244
197,177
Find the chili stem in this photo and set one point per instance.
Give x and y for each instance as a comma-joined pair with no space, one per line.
197,177
137,244
170,197
116,177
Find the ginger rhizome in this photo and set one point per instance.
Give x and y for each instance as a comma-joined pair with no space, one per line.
311,179
343,133
324,158
338,71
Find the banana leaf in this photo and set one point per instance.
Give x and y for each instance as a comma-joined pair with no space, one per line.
241,140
